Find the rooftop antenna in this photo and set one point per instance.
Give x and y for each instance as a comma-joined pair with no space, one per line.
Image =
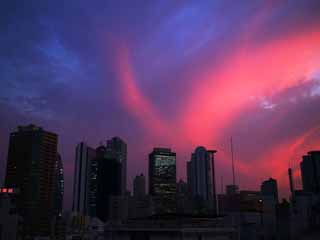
221,184
293,197
232,159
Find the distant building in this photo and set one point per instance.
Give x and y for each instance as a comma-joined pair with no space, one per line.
140,207
108,181
139,186
174,227
182,188
118,208
31,168
118,149
250,201
201,175
232,190
162,179
270,188
10,221
310,172
59,186
85,174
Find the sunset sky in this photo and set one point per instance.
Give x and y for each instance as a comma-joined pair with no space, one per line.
167,73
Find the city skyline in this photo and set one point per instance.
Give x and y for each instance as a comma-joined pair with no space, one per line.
34,189
169,75
298,183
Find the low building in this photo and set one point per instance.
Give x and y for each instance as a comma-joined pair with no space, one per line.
172,227
10,221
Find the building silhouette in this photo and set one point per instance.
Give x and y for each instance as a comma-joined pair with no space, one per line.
310,172
200,174
108,181
31,169
270,188
9,218
139,186
59,186
162,179
85,173
232,189
118,149
182,188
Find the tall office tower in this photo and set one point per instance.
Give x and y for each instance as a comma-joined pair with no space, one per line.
31,165
84,173
139,186
59,186
201,175
108,181
92,193
162,179
118,148
310,172
270,188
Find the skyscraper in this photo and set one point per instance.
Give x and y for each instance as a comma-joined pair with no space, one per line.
84,173
310,172
31,168
162,178
108,181
139,186
59,186
118,148
270,188
201,175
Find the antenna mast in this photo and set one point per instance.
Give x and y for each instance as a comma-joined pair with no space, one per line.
232,159
221,184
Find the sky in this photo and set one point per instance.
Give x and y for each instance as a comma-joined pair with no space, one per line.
163,73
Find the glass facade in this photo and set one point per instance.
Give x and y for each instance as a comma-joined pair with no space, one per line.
162,180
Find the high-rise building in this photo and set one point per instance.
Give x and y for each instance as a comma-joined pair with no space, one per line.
118,148
162,179
310,172
31,167
201,175
85,172
59,186
139,186
270,188
108,181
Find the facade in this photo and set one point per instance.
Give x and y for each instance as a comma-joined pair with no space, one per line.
310,172
31,168
118,148
59,186
270,188
10,221
139,186
83,174
108,181
182,188
162,179
119,208
140,207
201,175
172,227
232,190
